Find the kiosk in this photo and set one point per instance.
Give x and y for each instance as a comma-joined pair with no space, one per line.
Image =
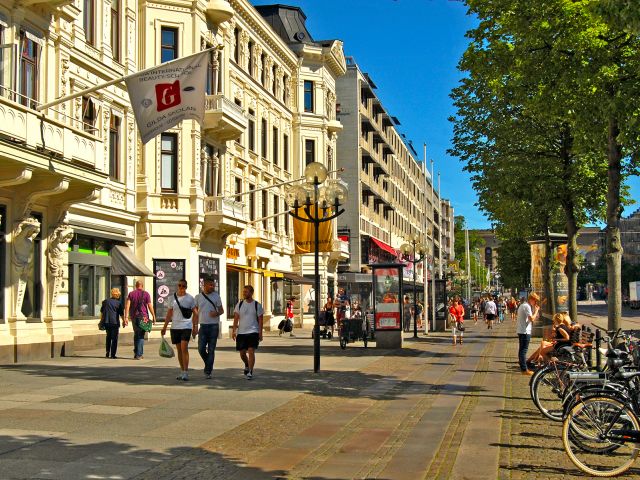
387,306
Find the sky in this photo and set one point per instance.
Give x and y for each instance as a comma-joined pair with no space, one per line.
410,48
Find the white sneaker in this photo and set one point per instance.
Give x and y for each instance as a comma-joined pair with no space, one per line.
249,375
185,376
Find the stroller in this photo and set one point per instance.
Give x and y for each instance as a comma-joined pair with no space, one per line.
324,323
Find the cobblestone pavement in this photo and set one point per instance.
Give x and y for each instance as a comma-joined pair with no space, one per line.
430,410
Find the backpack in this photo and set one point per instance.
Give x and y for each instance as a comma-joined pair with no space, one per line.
255,304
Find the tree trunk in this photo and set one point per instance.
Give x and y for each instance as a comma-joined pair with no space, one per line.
614,244
573,265
548,276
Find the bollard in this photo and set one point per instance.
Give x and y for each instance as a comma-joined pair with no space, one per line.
598,353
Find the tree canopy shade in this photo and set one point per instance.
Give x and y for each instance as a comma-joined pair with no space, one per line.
540,124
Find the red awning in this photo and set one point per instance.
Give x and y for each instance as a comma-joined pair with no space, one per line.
384,246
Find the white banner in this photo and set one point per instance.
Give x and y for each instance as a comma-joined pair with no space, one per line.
165,95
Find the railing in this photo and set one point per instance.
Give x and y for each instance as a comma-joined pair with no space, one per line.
225,206
220,102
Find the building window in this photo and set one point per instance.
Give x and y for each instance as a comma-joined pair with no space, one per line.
89,276
89,114
30,51
115,29
207,174
89,21
169,162
308,96
285,152
276,209
251,62
286,224
285,89
309,151
251,131
238,186
263,72
169,44
263,138
236,49
252,202
273,79
265,208
114,147
274,140
208,89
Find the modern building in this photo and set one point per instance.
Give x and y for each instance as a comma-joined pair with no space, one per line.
630,237
448,233
392,196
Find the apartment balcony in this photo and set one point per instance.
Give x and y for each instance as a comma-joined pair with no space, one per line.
224,215
223,119
61,169
340,250
334,126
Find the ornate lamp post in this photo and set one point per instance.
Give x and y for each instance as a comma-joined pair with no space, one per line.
419,252
316,201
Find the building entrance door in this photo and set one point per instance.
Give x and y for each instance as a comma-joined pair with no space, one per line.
233,291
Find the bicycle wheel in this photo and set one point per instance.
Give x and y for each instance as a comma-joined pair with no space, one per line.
600,424
546,391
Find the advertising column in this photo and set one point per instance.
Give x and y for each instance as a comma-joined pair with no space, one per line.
387,293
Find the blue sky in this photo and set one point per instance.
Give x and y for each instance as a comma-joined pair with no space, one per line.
411,49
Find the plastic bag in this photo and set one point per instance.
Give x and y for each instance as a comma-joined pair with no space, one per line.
166,350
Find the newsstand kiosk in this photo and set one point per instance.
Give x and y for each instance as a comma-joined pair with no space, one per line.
387,305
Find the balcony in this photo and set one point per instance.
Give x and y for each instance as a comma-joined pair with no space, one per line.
334,126
223,119
340,250
224,215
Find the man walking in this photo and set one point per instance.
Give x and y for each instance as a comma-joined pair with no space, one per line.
528,313
208,311
247,329
184,325
490,312
138,307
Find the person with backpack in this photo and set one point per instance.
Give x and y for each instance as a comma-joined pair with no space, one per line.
183,316
138,307
247,329
286,325
208,310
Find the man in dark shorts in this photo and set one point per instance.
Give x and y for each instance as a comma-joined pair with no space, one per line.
247,329
183,316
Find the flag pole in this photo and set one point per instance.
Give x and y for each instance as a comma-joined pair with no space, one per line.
71,96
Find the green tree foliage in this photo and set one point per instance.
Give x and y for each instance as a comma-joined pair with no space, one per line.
541,124
514,263
478,271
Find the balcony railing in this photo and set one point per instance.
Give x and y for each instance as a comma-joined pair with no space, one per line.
223,119
224,214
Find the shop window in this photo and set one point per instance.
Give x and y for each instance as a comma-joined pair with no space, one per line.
115,29
281,291
89,21
169,162
114,147
169,44
89,275
29,55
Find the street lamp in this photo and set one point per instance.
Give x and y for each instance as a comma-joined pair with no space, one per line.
419,252
319,203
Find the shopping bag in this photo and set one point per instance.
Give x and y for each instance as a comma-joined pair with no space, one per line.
166,350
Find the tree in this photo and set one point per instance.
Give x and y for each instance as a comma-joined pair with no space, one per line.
478,272
514,263
543,86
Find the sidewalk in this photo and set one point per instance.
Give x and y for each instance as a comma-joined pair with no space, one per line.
430,410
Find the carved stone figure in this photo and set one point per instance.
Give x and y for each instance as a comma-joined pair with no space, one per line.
56,250
22,256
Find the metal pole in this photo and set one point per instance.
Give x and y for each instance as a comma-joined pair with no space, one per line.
316,327
415,298
598,352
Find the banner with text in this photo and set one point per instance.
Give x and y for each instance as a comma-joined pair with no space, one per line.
164,96
304,238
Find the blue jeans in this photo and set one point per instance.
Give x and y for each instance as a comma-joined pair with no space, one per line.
138,339
207,341
523,339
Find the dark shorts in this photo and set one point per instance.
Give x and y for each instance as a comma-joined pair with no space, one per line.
491,316
180,335
247,341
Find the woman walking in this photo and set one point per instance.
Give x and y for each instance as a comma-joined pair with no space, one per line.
328,314
456,310
111,312
184,325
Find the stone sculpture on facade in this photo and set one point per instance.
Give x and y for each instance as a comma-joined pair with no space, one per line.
22,258
56,251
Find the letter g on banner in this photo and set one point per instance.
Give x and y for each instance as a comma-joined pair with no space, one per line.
167,95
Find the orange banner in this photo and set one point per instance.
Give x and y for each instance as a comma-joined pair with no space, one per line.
303,235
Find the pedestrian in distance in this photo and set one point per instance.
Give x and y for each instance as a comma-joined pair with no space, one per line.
329,315
183,316
456,310
513,308
490,312
208,310
287,324
528,313
111,312
248,319
407,310
138,307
